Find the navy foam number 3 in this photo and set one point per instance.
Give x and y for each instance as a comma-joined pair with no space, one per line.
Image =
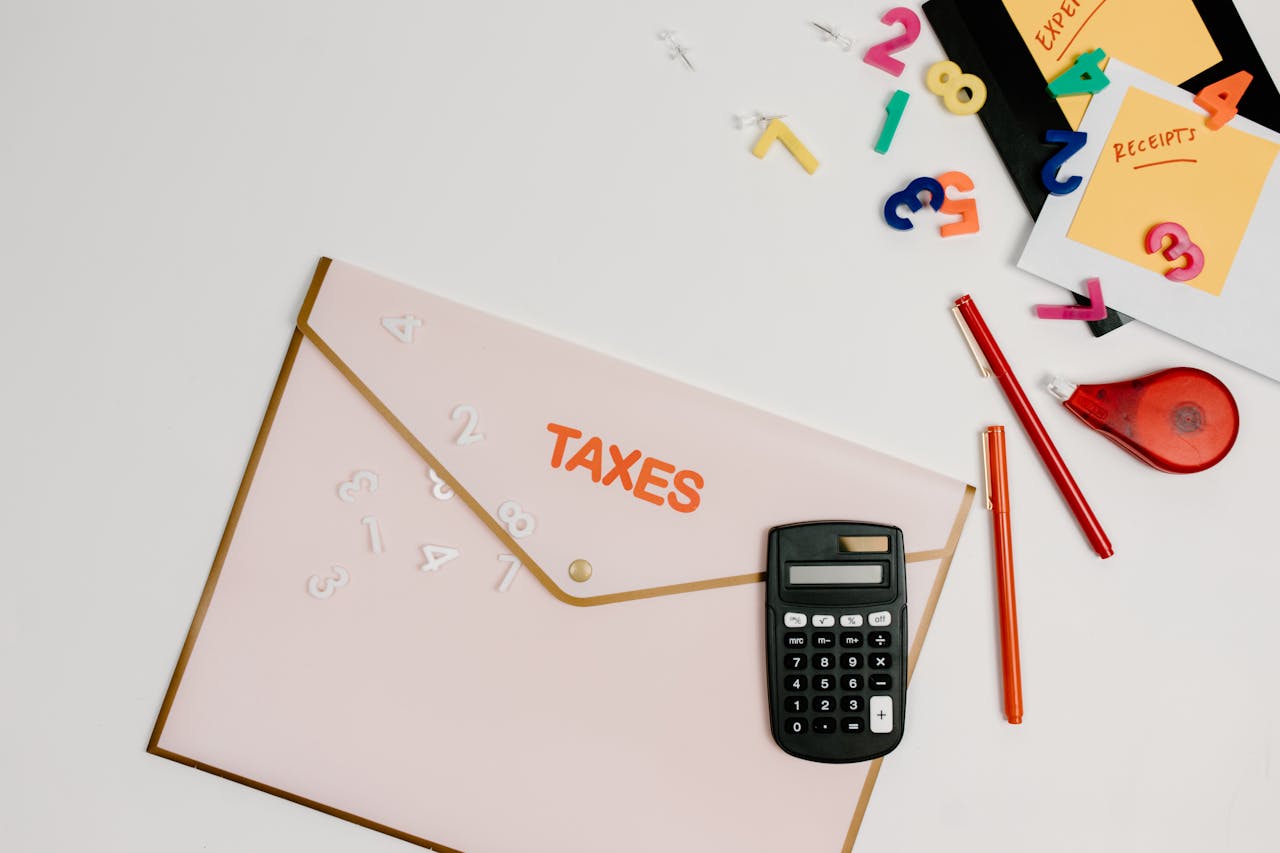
1073,140
911,198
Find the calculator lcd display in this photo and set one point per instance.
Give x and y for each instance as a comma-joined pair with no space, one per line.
844,574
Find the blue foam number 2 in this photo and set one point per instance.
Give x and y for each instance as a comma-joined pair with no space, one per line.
911,198
1073,140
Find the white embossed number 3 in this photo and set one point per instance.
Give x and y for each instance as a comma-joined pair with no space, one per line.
441,489
325,587
347,490
468,434
402,328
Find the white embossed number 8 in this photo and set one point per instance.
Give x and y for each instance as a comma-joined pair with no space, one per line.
441,489
468,434
519,523
324,587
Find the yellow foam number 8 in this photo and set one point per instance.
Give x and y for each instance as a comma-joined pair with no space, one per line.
946,80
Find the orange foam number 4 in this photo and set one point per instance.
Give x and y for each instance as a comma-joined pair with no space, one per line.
1220,100
965,208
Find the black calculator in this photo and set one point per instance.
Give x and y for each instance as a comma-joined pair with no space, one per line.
836,639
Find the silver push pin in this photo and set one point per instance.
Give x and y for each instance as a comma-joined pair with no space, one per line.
753,119
833,35
675,50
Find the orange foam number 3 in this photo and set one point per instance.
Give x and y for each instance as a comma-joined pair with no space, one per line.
965,208
1220,99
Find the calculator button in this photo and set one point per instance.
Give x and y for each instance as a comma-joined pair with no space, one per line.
824,682
879,639
852,704
881,714
824,661
795,640
879,661
824,725
796,704
824,704
879,620
796,683
796,725
824,621
851,621
851,661
881,681
795,620
853,725
795,661
824,640
851,640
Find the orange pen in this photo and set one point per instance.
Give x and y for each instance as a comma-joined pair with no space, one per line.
997,470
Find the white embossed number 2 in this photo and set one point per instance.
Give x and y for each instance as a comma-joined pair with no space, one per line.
402,328
468,434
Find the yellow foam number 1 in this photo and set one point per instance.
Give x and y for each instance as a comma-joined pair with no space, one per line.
779,131
946,80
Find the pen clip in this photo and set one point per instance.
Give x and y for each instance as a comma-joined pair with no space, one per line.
986,465
983,365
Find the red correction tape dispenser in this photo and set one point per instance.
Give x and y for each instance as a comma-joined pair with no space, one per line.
1179,420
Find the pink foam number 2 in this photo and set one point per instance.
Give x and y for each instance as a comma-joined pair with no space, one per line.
1096,311
881,55
1180,247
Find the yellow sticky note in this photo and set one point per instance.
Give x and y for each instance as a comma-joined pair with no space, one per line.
1161,164
1165,38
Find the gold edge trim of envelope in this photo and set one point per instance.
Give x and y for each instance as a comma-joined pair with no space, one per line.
304,331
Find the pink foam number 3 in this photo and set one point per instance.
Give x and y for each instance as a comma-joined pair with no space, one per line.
1096,311
881,55
1180,247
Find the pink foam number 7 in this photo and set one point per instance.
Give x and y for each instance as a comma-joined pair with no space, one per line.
1180,246
881,55
1096,311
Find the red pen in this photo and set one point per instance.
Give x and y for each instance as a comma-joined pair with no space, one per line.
997,470
993,363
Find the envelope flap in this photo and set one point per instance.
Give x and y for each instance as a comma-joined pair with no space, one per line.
607,481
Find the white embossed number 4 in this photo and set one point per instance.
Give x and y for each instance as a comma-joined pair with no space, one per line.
402,328
437,556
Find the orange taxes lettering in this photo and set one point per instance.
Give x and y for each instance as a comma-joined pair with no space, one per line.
645,477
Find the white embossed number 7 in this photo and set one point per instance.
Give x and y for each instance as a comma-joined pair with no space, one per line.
779,131
511,572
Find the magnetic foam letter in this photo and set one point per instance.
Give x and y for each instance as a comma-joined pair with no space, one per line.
779,131
893,115
1073,140
1096,311
1082,78
1221,99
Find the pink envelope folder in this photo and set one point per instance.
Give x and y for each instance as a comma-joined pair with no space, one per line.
486,590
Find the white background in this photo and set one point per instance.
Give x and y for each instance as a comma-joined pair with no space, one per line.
171,171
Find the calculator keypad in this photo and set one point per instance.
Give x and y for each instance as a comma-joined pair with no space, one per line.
838,686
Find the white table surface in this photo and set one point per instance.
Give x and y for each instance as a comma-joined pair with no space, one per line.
170,172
